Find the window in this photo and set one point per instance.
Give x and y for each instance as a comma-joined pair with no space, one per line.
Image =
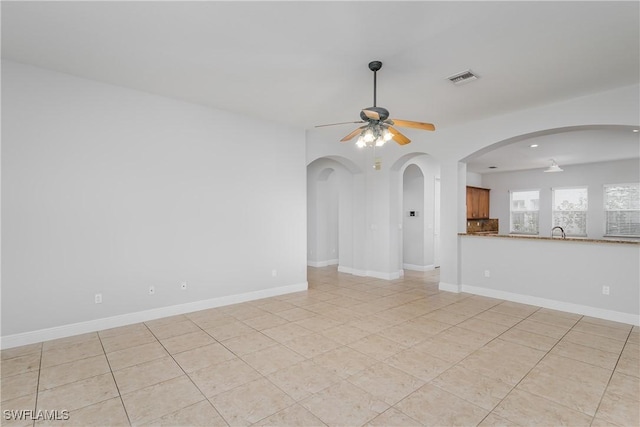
570,210
622,210
524,212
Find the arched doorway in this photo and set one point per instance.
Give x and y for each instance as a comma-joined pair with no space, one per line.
417,210
322,214
332,205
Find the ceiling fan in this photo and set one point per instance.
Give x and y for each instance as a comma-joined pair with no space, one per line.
379,128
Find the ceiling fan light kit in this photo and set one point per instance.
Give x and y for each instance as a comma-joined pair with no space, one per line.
554,167
378,127
373,136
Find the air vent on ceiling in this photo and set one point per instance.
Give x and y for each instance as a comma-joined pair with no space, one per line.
463,77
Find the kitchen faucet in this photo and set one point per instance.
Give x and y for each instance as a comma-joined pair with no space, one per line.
564,236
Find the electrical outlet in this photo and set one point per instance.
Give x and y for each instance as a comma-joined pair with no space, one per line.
98,298
183,286
605,290
152,290
487,273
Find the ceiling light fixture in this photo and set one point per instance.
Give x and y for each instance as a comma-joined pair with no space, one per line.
374,135
635,130
554,167
533,145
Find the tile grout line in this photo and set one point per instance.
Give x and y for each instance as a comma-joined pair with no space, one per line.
611,377
483,346
492,340
532,368
238,357
295,402
547,353
185,372
35,405
114,379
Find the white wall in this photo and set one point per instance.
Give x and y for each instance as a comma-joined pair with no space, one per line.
109,190
593,175
564,275
474,179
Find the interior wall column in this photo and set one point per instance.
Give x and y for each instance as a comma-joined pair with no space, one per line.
378,206
452,221
359,223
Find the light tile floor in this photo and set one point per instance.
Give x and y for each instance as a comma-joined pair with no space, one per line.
350,351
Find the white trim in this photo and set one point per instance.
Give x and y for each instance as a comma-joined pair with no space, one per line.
325,263
448,287
385,276
414,267
616,316
368,273
349,270
63,331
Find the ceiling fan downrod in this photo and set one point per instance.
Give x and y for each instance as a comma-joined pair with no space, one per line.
375,66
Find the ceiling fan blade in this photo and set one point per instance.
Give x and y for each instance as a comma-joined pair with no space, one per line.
352,134
398,137
373,115
415,125
342,123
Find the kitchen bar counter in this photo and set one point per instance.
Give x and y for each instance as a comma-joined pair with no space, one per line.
556,238
592,277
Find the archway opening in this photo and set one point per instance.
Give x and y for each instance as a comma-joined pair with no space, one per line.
413,226
417,207
591,156
330,211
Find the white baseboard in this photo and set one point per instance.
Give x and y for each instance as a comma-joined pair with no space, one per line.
322,263
443,286
369,273
616,316
63,331
349,270
386,276
414,267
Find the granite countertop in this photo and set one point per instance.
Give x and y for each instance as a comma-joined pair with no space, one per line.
559,239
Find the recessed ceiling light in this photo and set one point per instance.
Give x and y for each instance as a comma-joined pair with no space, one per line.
533,145
635,130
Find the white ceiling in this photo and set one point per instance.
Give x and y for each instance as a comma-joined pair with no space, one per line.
305,63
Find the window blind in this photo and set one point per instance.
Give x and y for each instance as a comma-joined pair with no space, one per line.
524,211
570,210
622,209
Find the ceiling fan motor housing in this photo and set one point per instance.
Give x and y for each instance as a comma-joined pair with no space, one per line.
375,65
382,112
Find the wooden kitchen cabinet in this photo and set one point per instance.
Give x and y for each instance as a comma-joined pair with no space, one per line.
477,203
